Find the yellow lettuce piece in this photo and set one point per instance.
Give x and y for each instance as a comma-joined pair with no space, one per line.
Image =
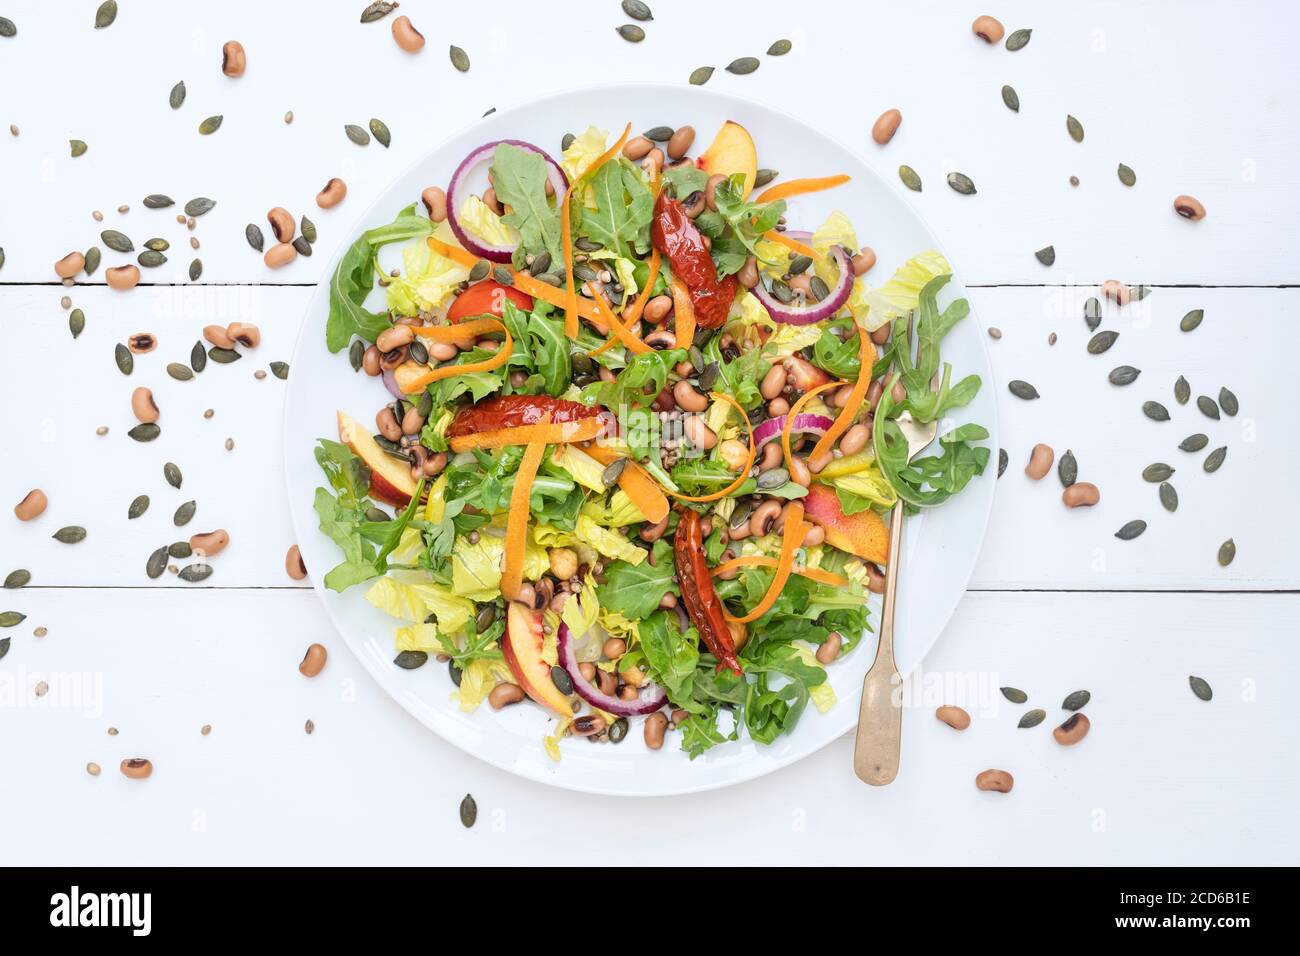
609,543
581,467
745,320
427,281
869,484
477,680
551,742
785,340
823,695
622,268
582,609
619,512
409,595
583,151
476,568
477,219
837,230
419,637
409,547
616,625
901,294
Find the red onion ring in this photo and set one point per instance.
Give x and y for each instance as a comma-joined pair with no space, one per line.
804,423
651,698
554,173
390,383
817,311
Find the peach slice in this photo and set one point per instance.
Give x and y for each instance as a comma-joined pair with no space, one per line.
390,480
732,151
863,534
522,648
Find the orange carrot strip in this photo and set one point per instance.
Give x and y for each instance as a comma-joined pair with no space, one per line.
685,314
512,565
454,253
797,187
412,378
621,331
763,561
640,487
773,236
794,410
867,354
566,235
463,333
791,540
637,307
584,429
749,460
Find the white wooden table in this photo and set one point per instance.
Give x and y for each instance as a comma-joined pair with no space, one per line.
1196,97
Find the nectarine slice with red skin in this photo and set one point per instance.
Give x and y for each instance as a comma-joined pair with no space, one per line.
521,645
863,534
732,151
390,480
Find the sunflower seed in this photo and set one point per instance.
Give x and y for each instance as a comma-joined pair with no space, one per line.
117,241
1131,530
182,373
1200,687
1032,718
210,125
11,618
184,513
308,229
1227,551
17,579
631,33
1157,471
172,473
180,549
377,11
961,183
156,564
1214,460
1155,411
910,179
301,244
122,355
764,176
193,573
1018,40
1011,98
199,206
1014,694
1126,175
1067,469
70,535
106,14
1074,128
1194,442
1076,700
1191,320
1101,342
76,322
146,431
92,260
1228,402
410,660
254,236
1207,406
1124,375
223,356
743,66
779,48
1168,496
7,28
700,75
151,259
459,59
1046,255
281,369
1022,389
139,505
1003,460
468,811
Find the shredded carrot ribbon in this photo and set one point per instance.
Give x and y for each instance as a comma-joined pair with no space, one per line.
512,565
411,377
566,234
763,561
773,236
749,459
685,314
455,253
462,333
638,485
621,331
867,355
638,305
797,187
560,433
794,410
791,540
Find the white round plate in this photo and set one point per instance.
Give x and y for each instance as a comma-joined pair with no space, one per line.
940,547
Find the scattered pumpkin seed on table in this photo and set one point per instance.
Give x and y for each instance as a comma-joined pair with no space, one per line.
1207,406
223,356
77,147
151,259
962,183
172,473
7,28
377,11
779,48
180,549
11,618
17,579
1014,694
1191,320
700,75
210,125
199,206
302,246
1126,175
92,260
125,361
254,236
1074,128
76,322
1092,313
106,14
1067,469
158,201
1214,460
193,573
1228,403
1018,40
139,505
468,811
177,96
379,129
1200,687
357,134
1182,391
459,59
910,178
1124,375
743,66
4,642
182,373
1032,718
1011,99
1157,471
410,660
1076,700
631,33
637,10
1168,496
1194,442
117,241
280,370
308,229
1102,341
184,513
146,431
72,534
1155,411
1046,255
156,564
1227,551
1131,530
1022,390
1003,459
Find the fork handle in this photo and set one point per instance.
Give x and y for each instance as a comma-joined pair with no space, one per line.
880,718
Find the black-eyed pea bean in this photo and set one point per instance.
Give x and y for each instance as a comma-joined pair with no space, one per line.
490,200
818,464
679,715
638,147
588,670
830,648
777,406
748,275
653,162
881,335
814,536
313,662
406,36
606,682
799,472
614,648
394,337
997,780
898,393
864,261
773,383
886,126
435,202
954,717
739,634
653,532
435,464
763,517
657,309
710,190
874,391
233,58
875,580
210,543
663,339
280,255
1040,461
505,694
32,506
282,224
842,396
333,193
689,398
558,602
370,360
628,692
801,283
123,278
693,204
143,406
70,265
1074,729
245,334
217,335
412,421
1116,291
855,439
653,730
633,676
771,457
684,368
668,601
701,435
679,144
1189,207
137,768
1081,494
588,725
988,29
387,424
443,351
294,566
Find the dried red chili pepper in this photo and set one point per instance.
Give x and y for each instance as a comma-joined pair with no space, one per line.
676,237
703,606
509,411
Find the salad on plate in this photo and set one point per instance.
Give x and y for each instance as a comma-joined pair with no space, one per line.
638,438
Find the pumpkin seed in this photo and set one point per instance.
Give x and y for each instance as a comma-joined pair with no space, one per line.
17,579
710,376
1046,255
910,178
92,260
772,478
122,355
1126,175
1182,391
180,549
743,66
618,731
1191,320
561,679
1092,313
613,471
254,236
1207,406
117,241
301,244
1074,128
1155,411
158,201
481,269
196,269
459,59
139,505
1101,342
779,48
156,564
4,642
357,134
819,289
410,660
72,534
210,125
182,373
184,513
77,147
566,141
1011,99
1018,40
151,259
799,265
377,11
223,356
631,33
11,618
961,183
356,352
1076,700
1200,687
1022,390
1014,694
1168,496
502,275
177,96
468,811
281,369
541,262
199,206
1124,375
379,129
1032,718
7,28
700,75
308,229
1194,442
764,176
145,431
172,473
157,244
1131,530
76,322
1227,551
194,573
1214,460
1067,469
637,10
1003,460
1228,402
106,14
1157,471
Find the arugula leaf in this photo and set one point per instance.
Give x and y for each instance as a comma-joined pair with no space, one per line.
748,220
701,476
672,654
839,356
739,378
686,179
700,732
638,384
635,590
621,220
349,475
550,354
934,479
519,178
